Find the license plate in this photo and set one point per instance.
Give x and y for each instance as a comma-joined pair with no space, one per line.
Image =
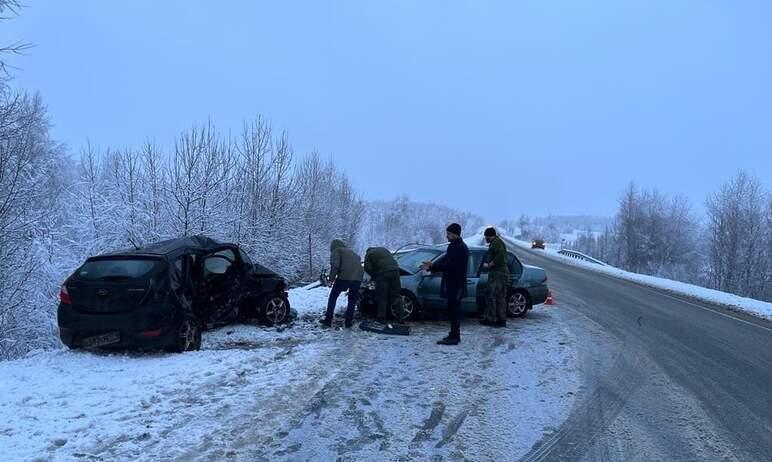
102,340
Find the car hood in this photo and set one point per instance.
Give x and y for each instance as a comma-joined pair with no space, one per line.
403,272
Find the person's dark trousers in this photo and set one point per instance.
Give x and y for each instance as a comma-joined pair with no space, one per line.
387,294
353,295
454,314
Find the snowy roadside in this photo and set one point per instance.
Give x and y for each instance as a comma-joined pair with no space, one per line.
298,393
731,301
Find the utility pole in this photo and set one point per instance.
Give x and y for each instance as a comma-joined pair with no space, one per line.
310,257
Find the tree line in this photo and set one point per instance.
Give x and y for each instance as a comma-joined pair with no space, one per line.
730,249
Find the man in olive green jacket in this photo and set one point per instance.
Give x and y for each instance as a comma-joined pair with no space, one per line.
498,281
346,274
384,270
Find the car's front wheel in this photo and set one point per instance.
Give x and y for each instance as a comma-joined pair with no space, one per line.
275,310
409,306
188,336
518,304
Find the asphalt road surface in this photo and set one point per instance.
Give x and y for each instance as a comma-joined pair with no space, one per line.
665,377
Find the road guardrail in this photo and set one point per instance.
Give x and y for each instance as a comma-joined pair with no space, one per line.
580,256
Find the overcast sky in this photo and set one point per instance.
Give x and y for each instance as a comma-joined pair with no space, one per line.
500,108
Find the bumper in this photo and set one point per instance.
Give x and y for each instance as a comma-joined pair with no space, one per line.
538,294
366,303
147,327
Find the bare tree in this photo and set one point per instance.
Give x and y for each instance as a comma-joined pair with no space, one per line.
90,174
155,179
28,160
200,170
8,10
253,174
737,254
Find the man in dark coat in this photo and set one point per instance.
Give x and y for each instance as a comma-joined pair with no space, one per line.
453,266
346,274
383,268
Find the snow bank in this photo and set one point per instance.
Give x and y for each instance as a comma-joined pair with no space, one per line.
313,301
731,301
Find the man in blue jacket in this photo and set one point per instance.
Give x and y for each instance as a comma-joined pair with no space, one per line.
453,267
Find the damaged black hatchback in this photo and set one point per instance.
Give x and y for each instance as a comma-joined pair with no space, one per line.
163,295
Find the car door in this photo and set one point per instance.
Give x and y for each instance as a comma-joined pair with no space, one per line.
429,289
515,270
184,283
482,283
473,280
219,286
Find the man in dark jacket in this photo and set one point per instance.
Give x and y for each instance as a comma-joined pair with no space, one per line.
498,281
384,270
346,272
453,266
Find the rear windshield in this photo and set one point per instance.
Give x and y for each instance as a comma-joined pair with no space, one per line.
118,269
412,260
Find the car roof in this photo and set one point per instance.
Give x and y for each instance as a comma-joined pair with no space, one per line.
171,247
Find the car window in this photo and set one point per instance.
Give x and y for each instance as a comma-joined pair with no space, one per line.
118,269
216,264
412,259
515,267
227,253
475,259
245,257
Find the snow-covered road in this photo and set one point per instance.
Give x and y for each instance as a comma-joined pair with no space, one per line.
301,393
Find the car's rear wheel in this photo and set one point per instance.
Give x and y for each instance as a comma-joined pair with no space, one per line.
275,310
518,304
409,306
188,336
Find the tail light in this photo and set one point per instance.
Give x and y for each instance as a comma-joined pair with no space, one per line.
64,296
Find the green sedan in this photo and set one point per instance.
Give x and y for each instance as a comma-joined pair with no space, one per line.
421,290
